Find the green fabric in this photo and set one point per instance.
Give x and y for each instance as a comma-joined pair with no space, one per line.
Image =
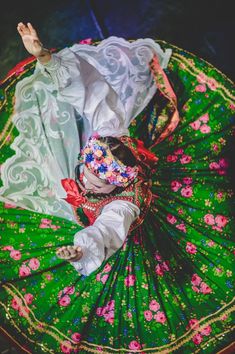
169,289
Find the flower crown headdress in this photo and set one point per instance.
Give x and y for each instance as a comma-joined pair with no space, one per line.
99,159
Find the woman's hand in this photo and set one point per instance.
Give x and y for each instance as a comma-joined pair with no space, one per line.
32,42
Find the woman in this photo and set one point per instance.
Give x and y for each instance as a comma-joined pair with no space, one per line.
168,287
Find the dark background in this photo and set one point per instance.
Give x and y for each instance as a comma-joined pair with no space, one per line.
205,28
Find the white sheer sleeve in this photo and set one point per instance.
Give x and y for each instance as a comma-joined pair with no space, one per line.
108,233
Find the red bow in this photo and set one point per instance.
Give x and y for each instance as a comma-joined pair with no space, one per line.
147,156
74,195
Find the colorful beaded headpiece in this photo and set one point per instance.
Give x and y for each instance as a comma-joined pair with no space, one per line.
99,159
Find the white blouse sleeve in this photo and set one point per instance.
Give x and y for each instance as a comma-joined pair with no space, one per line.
79,83
108,233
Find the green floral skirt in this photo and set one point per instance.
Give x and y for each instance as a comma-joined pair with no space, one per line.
169,289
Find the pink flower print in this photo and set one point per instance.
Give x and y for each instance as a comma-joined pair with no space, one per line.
221,220
130,280
179,151
171,219
107,268
24,271
109,317
209,219
86,41
214,166
104,278
171,158
66,347
195,289
212,84
223,163
34,263
193,323
148,315
195,125
16,302
217,228
158,257
201,78
197,339
187,192
45,224
211,243
69,290
160,317
204,118
76,337
9,206
205,289
111,305
99,311
181,227
232,106
196,280
191,248
187,180
185,159
134,345
200,88
205,129
154,306
16,255
175,185
165,266
23,311
28,298
64,301
7,248
98,276
206,331
159,270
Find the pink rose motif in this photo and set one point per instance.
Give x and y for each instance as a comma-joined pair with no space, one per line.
134,345
159,270
64,301
158,257
197,339
171,219
179,151
28,298
187,192
187,180
98,276
185,159
195,288
221,220
205,289
193,323
154,306
99,311
206,331
212,84
165,266
16,303
69,290
200,88
204,118
66,347
148,315
16,255
196,280
201,78
9,206
24,271
205,129
160,317
214,166
76,337
191,248
211,243
195,125
223,163
104,278
111,305
23,311
109,317
130,280
107,268
217,228
172,158
232,106
34,263
86,41
175,185
209,219
181,227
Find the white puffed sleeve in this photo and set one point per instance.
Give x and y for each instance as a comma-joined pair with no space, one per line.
80,84
108,233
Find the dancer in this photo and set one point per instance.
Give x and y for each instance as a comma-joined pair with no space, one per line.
147,290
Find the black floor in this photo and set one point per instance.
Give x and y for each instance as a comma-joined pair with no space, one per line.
205,28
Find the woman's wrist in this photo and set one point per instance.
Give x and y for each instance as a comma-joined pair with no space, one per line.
44,56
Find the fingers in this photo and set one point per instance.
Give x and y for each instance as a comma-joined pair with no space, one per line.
26,29
69,252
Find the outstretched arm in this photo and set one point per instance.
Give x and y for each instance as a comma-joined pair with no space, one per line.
32,42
